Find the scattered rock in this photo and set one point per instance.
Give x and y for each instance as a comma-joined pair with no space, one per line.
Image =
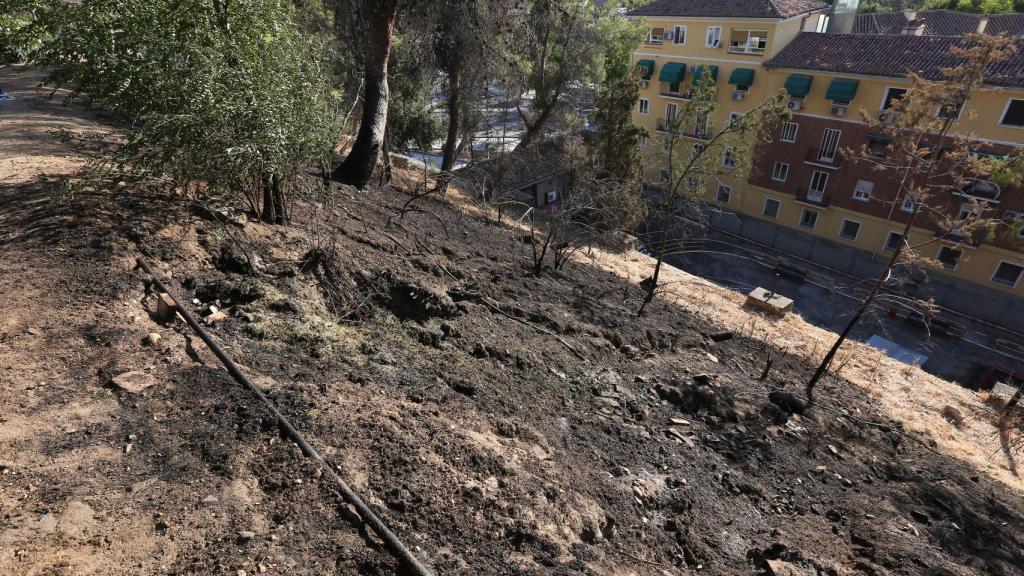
76,519
349,514
780,568
787,401
151,339
464,388
721,336
246,535
215,317
134,382
953,416
209,500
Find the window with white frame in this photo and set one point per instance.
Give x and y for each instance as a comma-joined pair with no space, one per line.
892,95
809,218
1014,219
696,151
728,160
849,229
713,39
679,35
551,196
908,204
949,257
862,191
642,142
742,41
893,241
789,131
645,106
655,35
968,211
723,193
1008,273
665,175
771,207
1013,115
734,116
780,171
816,191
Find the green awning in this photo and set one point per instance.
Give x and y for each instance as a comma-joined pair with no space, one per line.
842,90
673,72
699,73
880,138
798,85
646,68
742,77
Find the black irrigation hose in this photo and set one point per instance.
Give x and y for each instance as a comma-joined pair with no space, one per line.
401,553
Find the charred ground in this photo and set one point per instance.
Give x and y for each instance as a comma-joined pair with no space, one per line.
501,423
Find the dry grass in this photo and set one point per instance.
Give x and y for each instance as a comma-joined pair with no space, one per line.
904,393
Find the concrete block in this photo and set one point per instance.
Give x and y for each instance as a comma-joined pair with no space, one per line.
770,301
166,307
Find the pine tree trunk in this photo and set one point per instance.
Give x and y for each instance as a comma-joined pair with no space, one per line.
357,169
454,118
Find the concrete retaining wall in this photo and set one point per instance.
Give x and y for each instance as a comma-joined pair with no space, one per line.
983,303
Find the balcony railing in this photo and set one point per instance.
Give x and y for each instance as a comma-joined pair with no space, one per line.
684,94
744,48
664,125
813,197
821,157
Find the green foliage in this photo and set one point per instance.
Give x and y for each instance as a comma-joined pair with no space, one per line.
216,98
976,6
621,36
411,115
15,42
615,147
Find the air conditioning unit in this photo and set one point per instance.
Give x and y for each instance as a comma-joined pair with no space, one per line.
667,36
837,110
738,95
645,83
795,104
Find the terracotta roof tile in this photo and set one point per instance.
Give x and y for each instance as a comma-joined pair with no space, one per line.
890,56
729,8
938,23
1010,24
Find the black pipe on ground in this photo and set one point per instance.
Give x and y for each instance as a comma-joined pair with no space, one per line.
404,556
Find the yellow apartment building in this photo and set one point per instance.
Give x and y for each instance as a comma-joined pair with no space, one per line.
803,196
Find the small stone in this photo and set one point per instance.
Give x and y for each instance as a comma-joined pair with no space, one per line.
246,535
214,318
210,500
152,338
134,382
820,469
349,514
128,448
721,336
712,357
241,573
680,421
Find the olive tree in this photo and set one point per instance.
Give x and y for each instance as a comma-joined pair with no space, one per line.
215,97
